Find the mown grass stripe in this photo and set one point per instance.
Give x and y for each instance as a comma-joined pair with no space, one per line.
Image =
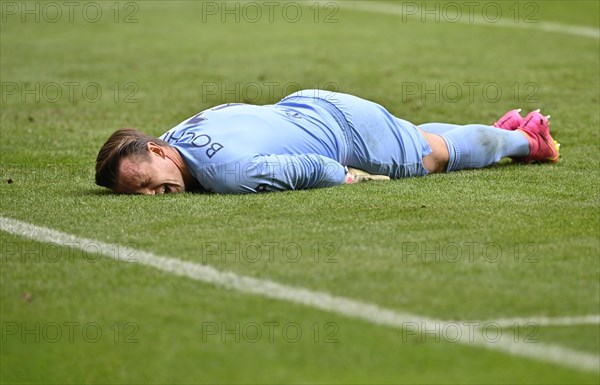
465,332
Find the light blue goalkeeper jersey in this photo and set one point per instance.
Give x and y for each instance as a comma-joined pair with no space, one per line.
299,143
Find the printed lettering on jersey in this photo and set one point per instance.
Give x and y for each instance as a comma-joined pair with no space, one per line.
196,139
196,118
188,133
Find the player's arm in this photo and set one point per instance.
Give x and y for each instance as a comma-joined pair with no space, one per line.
264,173
291,172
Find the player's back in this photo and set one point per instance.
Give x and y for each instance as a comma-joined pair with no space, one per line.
235,131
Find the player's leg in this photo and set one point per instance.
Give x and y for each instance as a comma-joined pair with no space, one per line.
442,152
384,144
388,145
437,160
474,146
477,146
437,128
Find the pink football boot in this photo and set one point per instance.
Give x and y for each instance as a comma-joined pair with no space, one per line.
510,121
542,148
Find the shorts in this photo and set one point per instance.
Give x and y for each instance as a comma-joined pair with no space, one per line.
379,143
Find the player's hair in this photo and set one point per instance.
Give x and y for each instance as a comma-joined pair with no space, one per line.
122,143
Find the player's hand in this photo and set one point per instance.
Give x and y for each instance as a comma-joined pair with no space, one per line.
356,176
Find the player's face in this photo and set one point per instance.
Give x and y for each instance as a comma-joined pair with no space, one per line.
158,175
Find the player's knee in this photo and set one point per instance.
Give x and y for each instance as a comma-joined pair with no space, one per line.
437,161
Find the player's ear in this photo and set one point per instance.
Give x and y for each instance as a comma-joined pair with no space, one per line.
156,149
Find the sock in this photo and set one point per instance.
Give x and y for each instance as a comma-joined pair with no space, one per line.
477,146
438,128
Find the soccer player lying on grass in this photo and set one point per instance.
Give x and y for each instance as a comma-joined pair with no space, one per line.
310,139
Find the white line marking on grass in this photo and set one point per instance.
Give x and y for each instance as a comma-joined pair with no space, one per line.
463,332
545,321
473,17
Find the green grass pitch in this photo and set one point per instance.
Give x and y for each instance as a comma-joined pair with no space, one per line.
511,241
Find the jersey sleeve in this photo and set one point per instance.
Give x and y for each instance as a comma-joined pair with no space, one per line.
263,173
